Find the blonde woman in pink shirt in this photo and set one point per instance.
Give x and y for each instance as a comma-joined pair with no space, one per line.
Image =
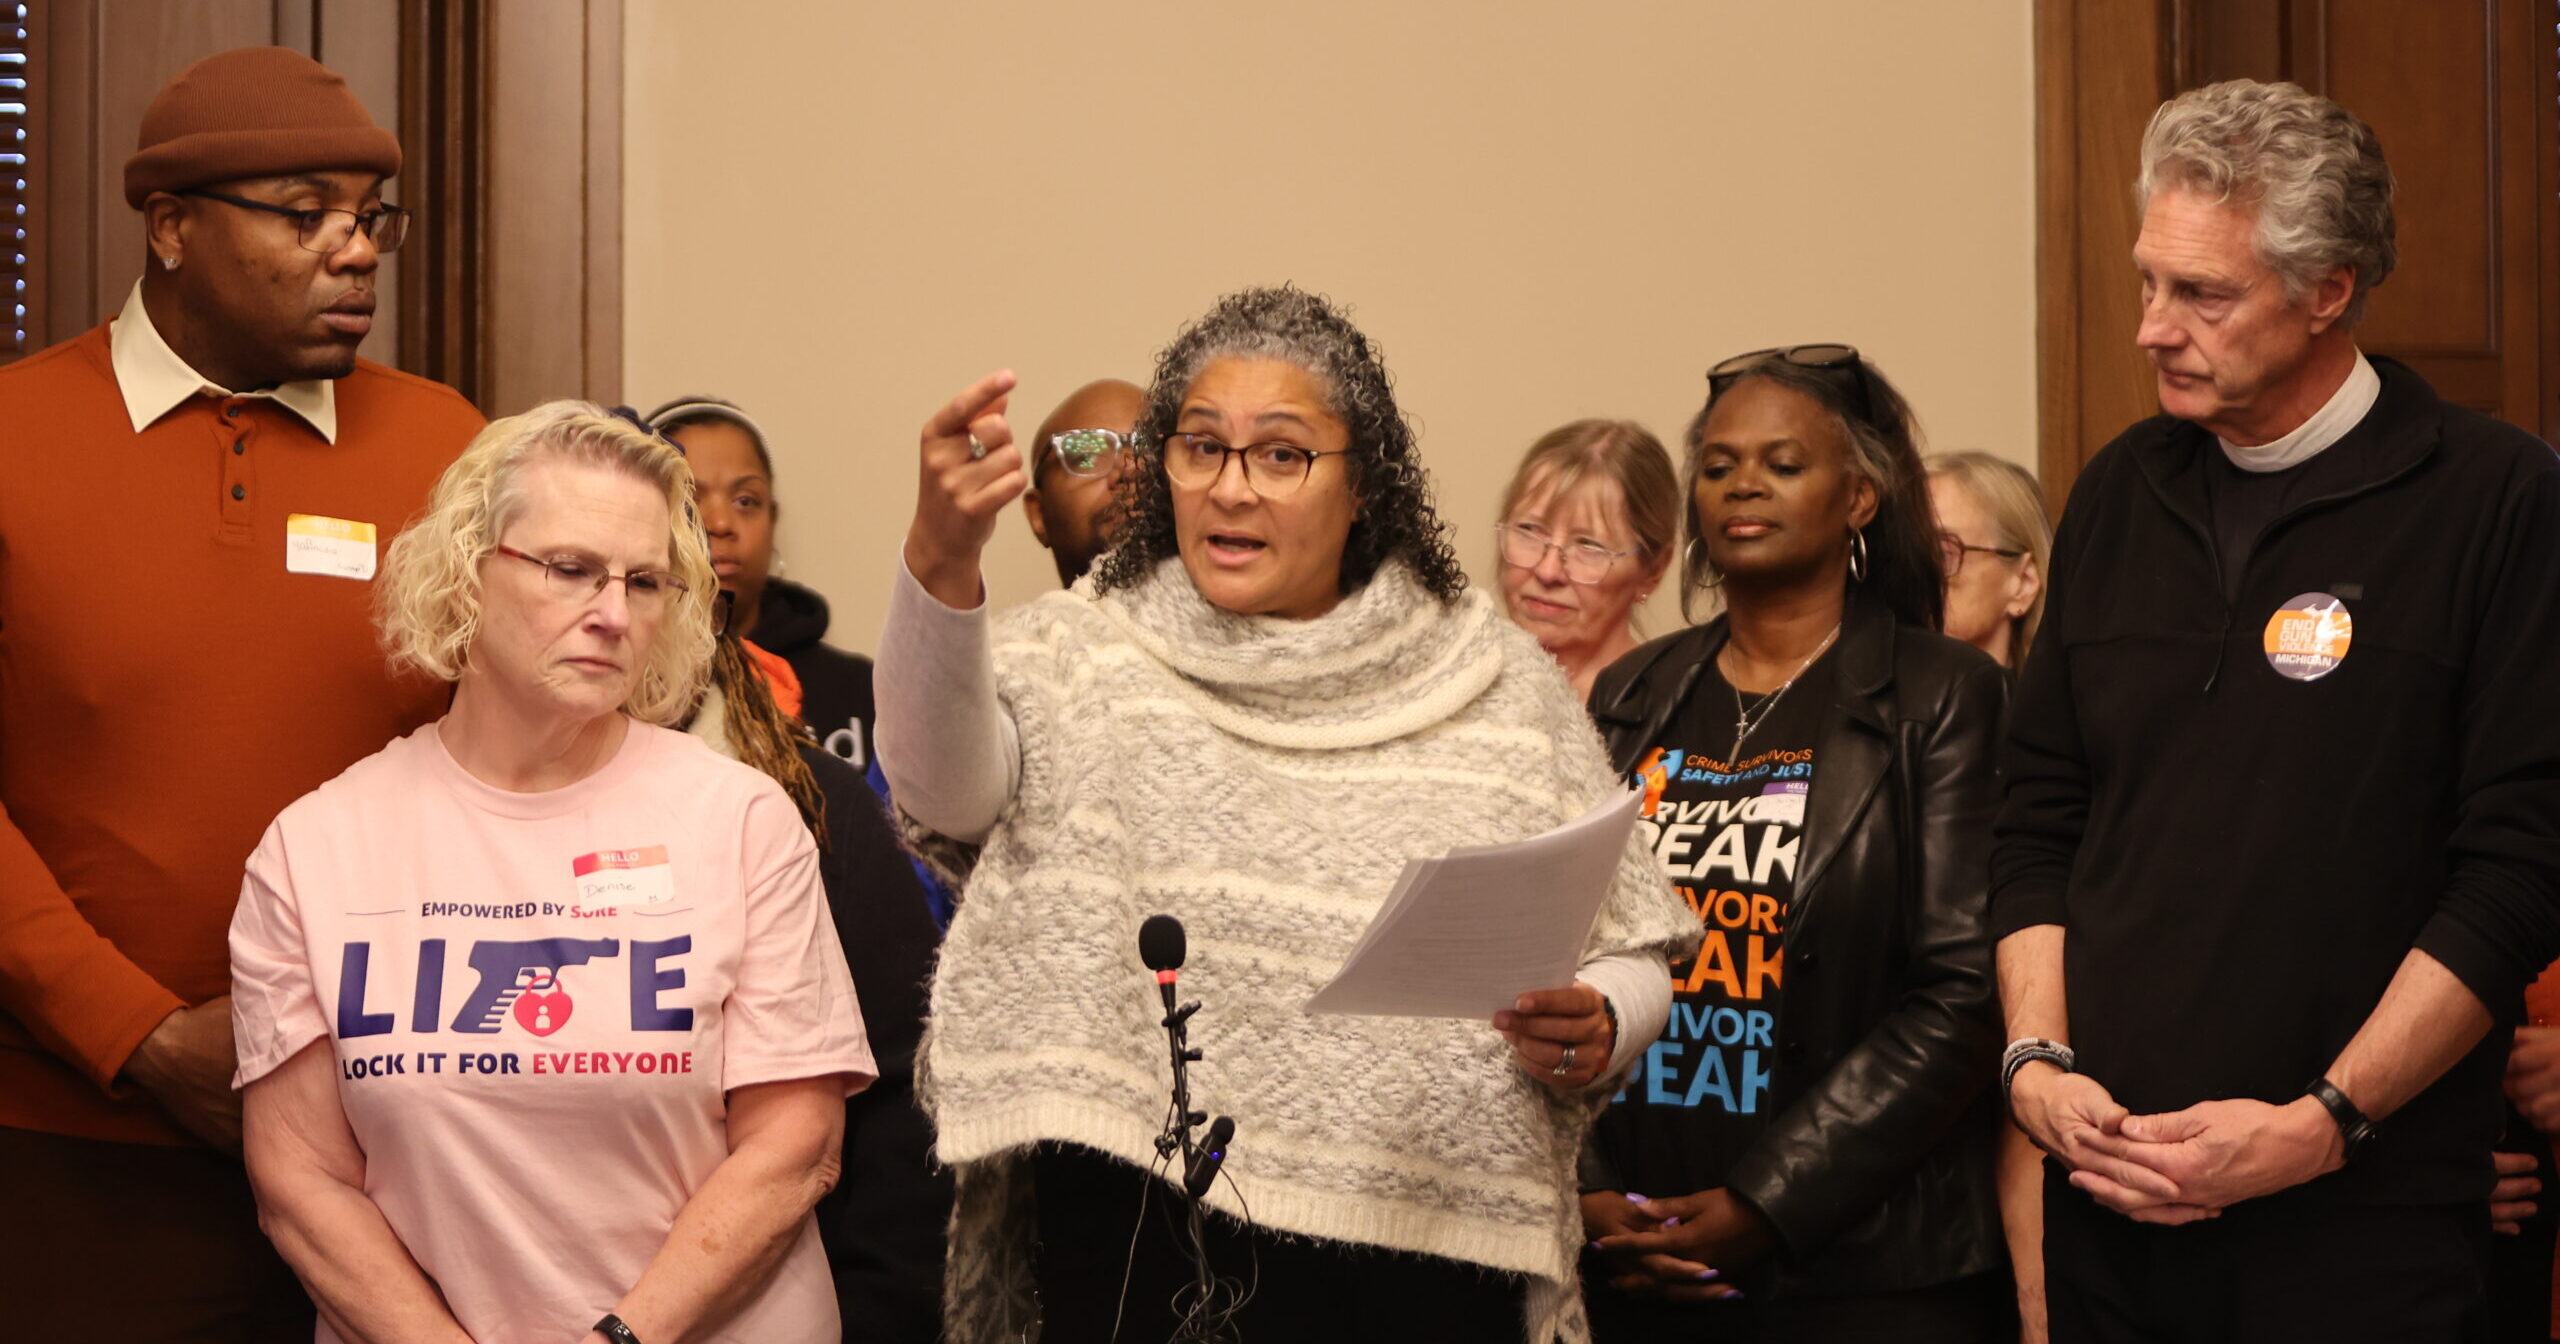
543,1026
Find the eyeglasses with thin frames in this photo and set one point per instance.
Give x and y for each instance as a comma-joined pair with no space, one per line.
1952,549
1525,546
326,231
578,578
1274,470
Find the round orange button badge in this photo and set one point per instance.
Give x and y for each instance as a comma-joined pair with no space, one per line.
2308,636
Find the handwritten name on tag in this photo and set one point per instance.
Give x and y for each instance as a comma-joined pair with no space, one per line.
334,546
625,877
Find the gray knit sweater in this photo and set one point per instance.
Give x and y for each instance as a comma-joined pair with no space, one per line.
1264,780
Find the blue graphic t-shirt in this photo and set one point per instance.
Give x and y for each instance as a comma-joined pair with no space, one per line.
1726,831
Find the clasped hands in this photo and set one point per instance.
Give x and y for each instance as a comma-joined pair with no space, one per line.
2178,1166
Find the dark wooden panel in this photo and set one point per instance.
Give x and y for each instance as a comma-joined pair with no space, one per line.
2422,77
145,42
2101,70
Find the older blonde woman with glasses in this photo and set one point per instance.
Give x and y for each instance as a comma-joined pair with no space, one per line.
543,1027
1586,532
1993,542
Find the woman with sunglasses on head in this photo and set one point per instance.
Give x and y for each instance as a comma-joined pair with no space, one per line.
1807,1152
1586,532
1993,540
1274,691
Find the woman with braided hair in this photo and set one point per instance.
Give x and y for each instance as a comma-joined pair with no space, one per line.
883,1223
1274,690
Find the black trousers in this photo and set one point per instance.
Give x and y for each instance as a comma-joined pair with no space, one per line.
1306,1290
128,1243
1982,1309
2294,1267
885,1222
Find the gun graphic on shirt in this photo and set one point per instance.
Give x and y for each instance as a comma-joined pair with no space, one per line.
503,966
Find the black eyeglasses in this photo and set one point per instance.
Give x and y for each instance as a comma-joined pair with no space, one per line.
1272,469
1090,452
1952,548
1839,362
327,231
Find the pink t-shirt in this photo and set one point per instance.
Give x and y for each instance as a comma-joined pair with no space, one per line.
538,1003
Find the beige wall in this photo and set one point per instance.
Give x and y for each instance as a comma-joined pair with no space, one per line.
840,213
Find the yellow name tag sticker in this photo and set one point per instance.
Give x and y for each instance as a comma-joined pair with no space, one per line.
333,546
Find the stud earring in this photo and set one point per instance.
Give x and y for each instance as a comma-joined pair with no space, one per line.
168,263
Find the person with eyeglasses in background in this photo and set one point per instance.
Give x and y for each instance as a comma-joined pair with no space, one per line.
186,565
1807,1153
1994,541
1274,690
1586,532
545,1032
1076,458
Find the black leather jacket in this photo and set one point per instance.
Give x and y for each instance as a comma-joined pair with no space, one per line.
1876,1168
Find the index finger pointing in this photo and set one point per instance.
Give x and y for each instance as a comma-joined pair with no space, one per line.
954,419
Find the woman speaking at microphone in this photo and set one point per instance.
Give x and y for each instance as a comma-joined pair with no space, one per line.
1274,690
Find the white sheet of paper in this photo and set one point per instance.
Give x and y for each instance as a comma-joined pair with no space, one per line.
1465,934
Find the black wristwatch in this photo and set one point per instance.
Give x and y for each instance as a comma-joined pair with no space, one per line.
2352,1126
612,1328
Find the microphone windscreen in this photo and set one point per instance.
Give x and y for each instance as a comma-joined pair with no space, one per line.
1160,943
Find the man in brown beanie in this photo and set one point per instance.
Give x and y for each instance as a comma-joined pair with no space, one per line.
203,486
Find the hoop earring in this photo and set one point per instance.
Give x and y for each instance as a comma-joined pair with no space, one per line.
1857,555
1694,562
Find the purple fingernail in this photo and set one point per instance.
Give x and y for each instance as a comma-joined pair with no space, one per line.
1595,1245
1670,1222
1710,1274
1635,1198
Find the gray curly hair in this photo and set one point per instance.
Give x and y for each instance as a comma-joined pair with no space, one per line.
2313,171
1395,519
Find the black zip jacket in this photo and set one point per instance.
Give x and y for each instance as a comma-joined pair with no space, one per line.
1876,1166
883,1223
835,686
2242,860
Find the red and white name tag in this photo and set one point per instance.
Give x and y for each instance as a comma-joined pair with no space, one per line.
625,877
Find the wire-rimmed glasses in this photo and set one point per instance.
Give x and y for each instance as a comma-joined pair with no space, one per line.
1952,549
571,577
1525,546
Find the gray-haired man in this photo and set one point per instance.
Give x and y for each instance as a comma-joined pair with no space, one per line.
2282,839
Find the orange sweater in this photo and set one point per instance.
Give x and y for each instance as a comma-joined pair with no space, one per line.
166,687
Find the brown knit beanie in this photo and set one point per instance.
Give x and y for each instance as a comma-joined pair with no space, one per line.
253,112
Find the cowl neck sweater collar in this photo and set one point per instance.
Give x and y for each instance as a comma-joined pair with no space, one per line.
1388,660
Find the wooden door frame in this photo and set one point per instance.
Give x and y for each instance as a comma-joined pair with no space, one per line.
2108,63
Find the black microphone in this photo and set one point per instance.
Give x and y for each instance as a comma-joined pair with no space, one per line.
1202,1171
1160,946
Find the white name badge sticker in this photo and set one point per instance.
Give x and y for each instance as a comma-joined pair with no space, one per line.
614,877
333,546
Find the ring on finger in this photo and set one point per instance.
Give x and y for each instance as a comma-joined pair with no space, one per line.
977,450
1564,1064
